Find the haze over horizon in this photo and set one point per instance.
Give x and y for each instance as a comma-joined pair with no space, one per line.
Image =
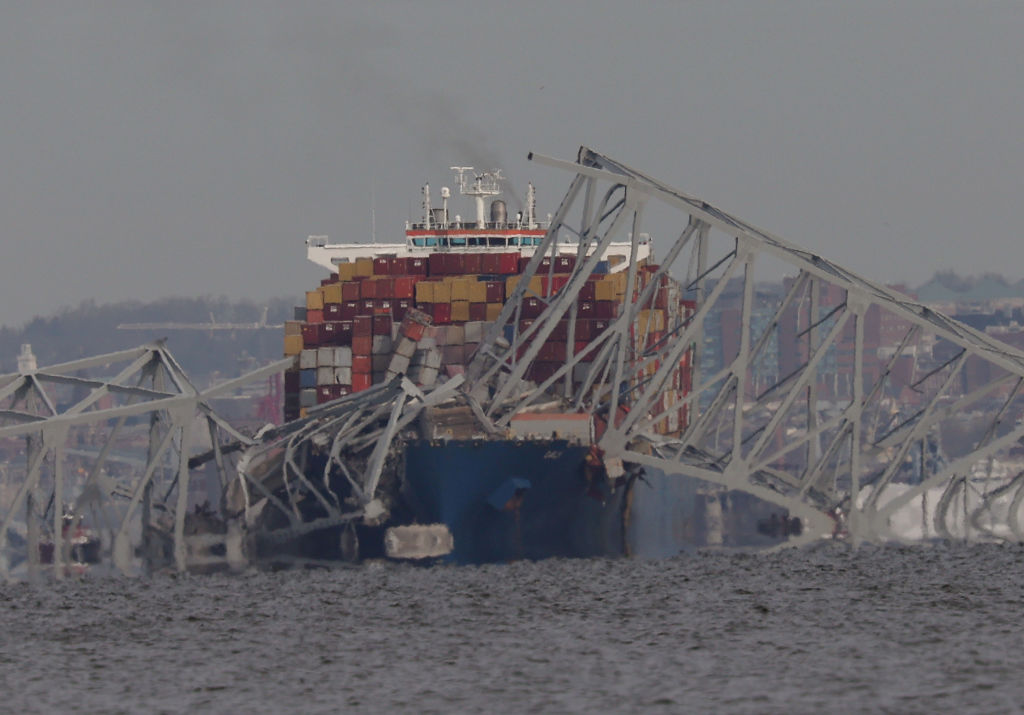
163,150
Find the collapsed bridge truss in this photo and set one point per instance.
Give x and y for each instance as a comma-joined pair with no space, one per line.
838,399
805,402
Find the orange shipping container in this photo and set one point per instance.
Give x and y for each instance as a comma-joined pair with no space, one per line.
493,311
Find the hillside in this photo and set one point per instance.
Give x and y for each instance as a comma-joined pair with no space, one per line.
91,329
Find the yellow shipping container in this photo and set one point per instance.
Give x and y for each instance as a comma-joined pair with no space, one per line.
303,412
332,293
425,291
656,318
510,285
293,327
364,267
314,300
477,292
346,271
292,344
442,292
460,311
493,311
460,292
604,290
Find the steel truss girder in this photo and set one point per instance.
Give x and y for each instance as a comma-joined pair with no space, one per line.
146,381
783,444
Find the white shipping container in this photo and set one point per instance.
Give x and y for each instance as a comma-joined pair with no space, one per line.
405,347
427,376
455,335
474,331
343,375
380,362
307,359
325,357
325,375
343,357
381,344
307,398
399,364
432,359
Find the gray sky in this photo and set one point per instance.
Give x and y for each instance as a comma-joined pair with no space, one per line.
156,149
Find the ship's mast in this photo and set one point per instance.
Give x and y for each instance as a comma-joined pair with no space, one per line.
486,184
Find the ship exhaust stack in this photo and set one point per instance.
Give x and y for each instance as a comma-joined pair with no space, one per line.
499,213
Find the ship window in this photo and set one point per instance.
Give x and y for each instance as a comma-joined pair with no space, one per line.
496,241
458,241
417,241
431,242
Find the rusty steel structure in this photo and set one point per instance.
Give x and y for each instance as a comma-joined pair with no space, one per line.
805,407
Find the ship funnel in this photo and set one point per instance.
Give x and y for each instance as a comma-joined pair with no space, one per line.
499,213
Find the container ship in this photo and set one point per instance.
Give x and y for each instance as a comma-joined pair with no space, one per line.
451,485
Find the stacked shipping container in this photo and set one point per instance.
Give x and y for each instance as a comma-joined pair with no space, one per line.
418,316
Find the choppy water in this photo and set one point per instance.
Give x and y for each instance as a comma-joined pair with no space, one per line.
897,629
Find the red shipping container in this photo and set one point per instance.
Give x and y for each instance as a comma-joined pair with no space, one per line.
329,333
508,263
325,281
311,335
561,331
442,313
400,307
454,263
436,264
584,330
323,394
413,331
478,311
291,381
361,381
361,362
416,266
332,311
362,345
385,288
397,266
532,307
473,263
405,287
605,309
366,306
380,266
495,291
599,326
368,289
344,332
588,291
349,309
362,326
490,263
585,309
558,283
581,345
314,316
552,350
565,264
382,324
350,291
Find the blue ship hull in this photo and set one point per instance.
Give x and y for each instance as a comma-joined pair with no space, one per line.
504,499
